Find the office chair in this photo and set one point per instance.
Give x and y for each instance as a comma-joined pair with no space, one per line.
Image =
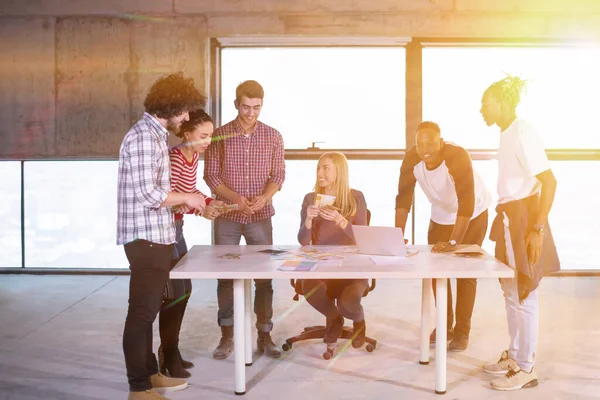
318,331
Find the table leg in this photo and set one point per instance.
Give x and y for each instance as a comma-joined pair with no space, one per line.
248,320
425,323
238,336
441,286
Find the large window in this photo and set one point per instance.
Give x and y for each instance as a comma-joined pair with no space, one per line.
561,93
71,215
340,98
560,98
345,98
10,213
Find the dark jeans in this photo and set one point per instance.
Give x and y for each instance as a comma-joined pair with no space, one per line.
466,288
230,233
321,294
149,264
175,299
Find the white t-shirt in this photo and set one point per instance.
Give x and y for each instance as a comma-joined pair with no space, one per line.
453,188
521,156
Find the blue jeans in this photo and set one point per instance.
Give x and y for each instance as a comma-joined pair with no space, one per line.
230,233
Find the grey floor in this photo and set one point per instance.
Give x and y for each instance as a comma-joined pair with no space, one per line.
60,338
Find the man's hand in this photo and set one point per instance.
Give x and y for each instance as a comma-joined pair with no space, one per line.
259,202
211,211
533,243
244,206
442,247
195,201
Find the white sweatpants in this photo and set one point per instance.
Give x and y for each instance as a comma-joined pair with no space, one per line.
523,317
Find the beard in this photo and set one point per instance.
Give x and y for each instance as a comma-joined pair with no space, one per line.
173,127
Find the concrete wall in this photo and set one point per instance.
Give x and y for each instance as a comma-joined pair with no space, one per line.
74,73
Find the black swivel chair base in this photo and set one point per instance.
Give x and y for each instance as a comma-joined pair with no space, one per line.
318,332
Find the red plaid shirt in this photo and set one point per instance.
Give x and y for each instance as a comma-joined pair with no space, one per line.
245,164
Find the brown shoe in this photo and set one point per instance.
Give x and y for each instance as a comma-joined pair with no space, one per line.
449,335
163,384
146,395
459,343
265,345
225,347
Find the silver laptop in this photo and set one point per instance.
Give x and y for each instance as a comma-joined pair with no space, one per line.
381,241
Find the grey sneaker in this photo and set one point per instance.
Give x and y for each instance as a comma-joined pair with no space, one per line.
500,367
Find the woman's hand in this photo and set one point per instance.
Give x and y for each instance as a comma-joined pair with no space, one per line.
331,214
312,212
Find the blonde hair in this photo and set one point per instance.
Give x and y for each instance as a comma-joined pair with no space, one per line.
344,199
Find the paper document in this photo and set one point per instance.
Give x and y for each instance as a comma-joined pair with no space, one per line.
469,250
298,265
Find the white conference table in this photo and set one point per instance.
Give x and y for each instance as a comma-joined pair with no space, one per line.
207,262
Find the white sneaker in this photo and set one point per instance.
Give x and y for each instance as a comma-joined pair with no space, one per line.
515,379
500,367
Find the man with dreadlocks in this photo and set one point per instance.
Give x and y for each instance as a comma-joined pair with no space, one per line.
526,188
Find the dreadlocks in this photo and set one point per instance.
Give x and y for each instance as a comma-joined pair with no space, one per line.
508,89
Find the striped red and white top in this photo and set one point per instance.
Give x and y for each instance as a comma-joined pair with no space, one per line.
183,175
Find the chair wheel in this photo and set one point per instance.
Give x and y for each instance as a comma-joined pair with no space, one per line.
286,346
370,348
330,350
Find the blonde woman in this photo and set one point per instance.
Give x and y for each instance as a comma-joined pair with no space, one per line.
333,226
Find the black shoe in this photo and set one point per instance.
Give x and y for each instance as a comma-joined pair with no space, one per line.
359,334
459,343
449,335
334,329
169,364
186,364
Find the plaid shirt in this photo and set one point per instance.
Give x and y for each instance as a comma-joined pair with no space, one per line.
144,183
245,164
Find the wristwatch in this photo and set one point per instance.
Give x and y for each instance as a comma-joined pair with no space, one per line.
452,242
539,228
